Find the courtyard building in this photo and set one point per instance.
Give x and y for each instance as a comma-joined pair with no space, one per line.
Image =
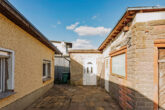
62,62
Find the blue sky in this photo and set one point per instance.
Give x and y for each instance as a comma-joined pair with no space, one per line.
86,23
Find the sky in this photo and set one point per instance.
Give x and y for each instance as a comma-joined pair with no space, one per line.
85,23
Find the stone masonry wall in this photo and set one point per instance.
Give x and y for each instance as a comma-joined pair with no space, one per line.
145,34
122,89
136,92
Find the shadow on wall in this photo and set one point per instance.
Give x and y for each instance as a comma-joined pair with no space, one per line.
130,99
127,98
76,73
62,69
59,70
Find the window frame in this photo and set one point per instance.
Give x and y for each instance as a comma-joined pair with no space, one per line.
122,50
3,73
158,43
11,69
47,70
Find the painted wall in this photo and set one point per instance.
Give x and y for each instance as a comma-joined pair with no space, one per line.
62,46
145,17
29,55
76,66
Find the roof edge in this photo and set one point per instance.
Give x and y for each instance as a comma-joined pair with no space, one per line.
84,51
128,16
9,11
60,41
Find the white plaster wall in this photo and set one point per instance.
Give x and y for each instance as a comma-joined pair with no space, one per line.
81,58
145,17
61,46
77,62
120,37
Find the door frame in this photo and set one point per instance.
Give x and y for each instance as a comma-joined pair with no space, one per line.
159,43
108,65
94,69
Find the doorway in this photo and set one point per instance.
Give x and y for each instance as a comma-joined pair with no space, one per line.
90,70
107,70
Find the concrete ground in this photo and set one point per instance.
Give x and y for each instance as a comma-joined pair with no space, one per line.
65,97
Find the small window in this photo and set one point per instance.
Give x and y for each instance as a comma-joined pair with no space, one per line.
3,73
6,72
91,69
46,69
87,69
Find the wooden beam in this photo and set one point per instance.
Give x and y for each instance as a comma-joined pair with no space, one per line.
130,17
108,40
117,31
132,12
141,11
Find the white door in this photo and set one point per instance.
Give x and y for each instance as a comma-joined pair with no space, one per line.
107,72
89,76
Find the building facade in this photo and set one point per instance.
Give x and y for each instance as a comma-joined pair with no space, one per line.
63,47
133,56
85,67
62,61
26,60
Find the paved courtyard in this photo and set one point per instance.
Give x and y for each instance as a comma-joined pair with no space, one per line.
65,97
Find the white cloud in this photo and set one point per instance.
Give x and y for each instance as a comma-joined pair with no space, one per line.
72,26
82,44
58,22
94,17
91,31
